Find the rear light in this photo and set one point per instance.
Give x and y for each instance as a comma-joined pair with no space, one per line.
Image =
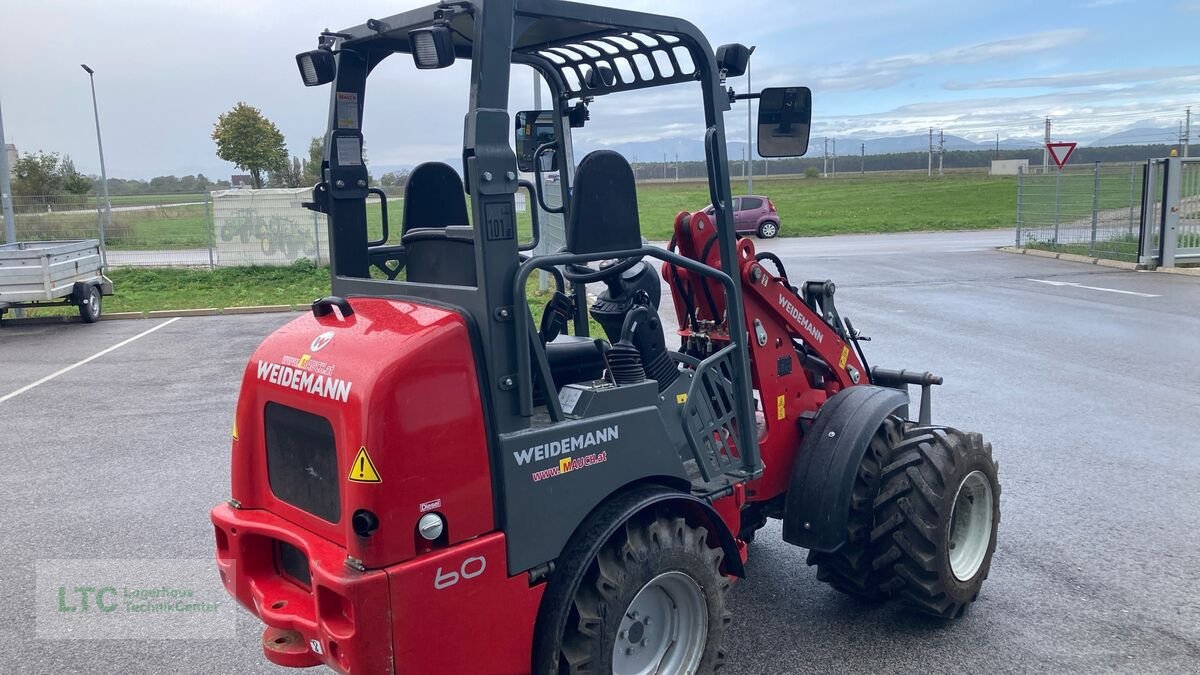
771,205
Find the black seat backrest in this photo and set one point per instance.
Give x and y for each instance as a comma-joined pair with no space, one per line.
604,209
434,198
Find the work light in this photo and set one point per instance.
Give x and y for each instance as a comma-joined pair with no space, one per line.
316,67
432,47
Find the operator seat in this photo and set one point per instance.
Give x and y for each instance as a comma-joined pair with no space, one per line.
603,218
439,242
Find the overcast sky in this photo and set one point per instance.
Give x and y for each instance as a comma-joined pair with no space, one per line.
165,69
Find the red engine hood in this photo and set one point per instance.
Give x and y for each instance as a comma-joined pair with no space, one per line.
397,382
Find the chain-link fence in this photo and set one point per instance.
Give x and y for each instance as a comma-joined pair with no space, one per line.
1088,210
219,229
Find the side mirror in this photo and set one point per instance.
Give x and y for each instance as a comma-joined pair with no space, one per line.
784,120
535,128
316,67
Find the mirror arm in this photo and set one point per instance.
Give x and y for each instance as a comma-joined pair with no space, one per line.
745,97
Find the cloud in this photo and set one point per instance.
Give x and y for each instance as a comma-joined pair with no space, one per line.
1086,79
889,71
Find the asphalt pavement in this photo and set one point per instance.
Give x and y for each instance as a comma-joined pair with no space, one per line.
1087,387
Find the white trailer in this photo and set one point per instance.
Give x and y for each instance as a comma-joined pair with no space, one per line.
53,273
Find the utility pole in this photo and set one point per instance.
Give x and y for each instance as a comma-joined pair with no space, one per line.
997,145
941,150
677,167
931,152
635,168
1187,131
664,166
862,159
10,223
835,158
1046,149
825,164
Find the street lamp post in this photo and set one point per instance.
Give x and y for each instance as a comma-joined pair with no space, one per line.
103,174
10,228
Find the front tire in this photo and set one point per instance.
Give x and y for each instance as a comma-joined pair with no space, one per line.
938,512
768,229
651,601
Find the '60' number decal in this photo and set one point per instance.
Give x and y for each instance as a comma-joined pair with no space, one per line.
470,568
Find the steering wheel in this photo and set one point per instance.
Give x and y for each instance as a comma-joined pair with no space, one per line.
582,274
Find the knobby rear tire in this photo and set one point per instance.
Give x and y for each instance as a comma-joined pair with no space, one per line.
923,479
647,546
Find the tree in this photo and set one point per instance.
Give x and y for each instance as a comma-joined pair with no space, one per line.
316,155
44,176
252,142
394,179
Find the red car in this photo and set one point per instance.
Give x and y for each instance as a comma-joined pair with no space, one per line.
754,214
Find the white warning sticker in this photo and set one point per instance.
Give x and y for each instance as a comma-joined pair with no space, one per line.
348,152
347,110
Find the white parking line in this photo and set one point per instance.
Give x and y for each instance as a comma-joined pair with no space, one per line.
93,357
1095,288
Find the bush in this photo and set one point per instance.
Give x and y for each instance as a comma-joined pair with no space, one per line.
811,172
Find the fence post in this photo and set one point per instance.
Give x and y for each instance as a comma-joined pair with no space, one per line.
1020,180
100,230
1169,237
317,236
1095,210
1132,182
1057,192
1146,254
210,225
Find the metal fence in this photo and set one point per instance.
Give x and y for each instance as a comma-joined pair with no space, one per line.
1089,210
218,229
1171,213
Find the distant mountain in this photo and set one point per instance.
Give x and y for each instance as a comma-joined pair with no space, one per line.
1139,136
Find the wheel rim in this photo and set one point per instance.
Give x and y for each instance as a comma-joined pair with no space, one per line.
665,628
768,229
970,526
94,302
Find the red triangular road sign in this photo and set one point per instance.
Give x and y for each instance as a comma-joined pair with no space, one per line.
1060,152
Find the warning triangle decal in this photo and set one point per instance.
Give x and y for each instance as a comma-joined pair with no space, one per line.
362,470
1060,152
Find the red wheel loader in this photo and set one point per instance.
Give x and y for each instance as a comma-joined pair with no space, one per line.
430,476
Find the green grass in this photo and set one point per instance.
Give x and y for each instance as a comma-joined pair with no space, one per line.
851,203
137,289
141,289
168,227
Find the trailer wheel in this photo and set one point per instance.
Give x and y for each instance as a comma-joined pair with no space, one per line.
89,306
938,509
850,569
652,601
